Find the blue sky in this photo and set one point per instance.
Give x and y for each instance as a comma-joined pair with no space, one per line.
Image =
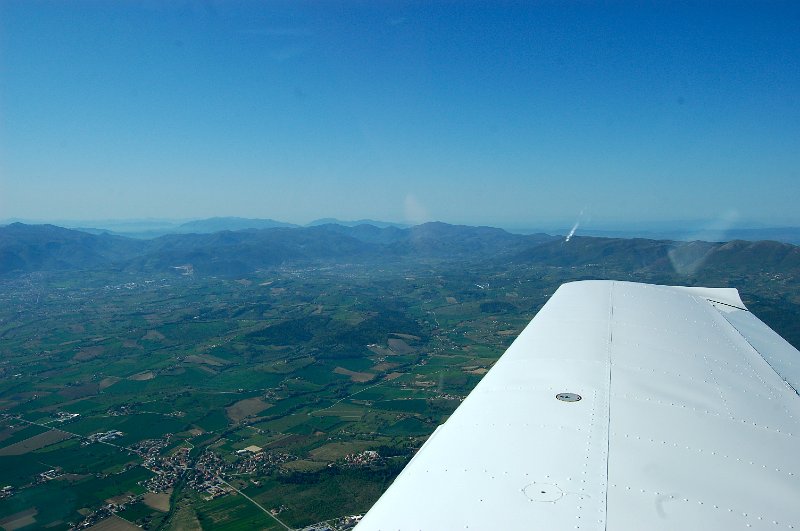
499,113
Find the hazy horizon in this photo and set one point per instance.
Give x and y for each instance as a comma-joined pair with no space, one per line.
482,114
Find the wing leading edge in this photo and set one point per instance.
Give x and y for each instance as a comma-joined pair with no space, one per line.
688,418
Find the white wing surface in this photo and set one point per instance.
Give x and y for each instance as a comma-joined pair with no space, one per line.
688,418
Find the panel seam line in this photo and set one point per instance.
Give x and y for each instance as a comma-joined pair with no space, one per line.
608,396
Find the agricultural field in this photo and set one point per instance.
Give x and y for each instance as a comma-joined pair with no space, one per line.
279,399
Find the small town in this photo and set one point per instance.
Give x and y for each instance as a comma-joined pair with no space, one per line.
207,474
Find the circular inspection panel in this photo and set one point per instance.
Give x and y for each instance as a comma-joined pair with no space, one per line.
543,492
568,397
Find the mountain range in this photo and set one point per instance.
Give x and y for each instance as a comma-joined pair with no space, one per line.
29,248
153,228
676,231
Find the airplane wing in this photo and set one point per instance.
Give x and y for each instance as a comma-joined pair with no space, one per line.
621,406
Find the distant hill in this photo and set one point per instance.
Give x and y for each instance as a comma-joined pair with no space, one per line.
755,256
664,256
241,252
374,223
210,225
147,230
442,240
779,234
368,233
28,248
